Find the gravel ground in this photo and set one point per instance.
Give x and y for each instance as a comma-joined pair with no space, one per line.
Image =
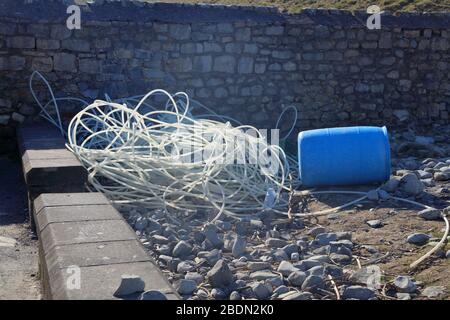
362,253
18,246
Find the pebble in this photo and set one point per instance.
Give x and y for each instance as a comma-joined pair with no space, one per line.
391,185
257,265
383,194
423,174
441,176
290,249
405,284
375,223
325,238
182,249
403,296
286,268
411,184
316,231
263,275
159,239
316,271
341,259
430,214
297,278
186,287
294,295
433,291
280,290
153,295
185,266
358,293
197,277
220,275
210,232
129,284
239,246
235,296
295,256
418,239
313,282
202,294
218,294
261,290
275,243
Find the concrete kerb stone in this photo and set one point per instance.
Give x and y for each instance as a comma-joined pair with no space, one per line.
84,230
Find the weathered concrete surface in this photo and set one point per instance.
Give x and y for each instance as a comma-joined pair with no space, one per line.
18,249
85,231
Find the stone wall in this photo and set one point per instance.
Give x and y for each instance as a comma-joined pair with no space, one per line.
244,62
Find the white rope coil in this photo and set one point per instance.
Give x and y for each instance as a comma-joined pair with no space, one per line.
166,158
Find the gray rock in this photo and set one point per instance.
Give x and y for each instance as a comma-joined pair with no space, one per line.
218,294
433,291
295,256
220,275
313,283
286,268
202,294
430,214
182,249
235,296
297,278
261,290
325,238
159,239
275,282
197,277
316,231
441,176
153,295
257,265
211,235
290,249
358,292
185,266
317,271
403,296
280,255
391,185
280,290
294,295
210,256
263,275
275,243
307,264
239,246
129,284
375,223
186,287
341,259
411,184
423,174
405,284
418,238
383,195
372,195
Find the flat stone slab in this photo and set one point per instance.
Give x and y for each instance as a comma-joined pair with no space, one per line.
84,232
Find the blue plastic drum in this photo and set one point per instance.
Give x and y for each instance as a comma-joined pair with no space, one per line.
344,156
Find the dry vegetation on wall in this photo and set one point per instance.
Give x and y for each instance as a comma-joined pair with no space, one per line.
297,5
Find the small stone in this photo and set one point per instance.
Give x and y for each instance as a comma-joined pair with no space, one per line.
441,176
325,238
383,194
281,290
341,259
182,249
316,231
286,268
433,291
235,296
218,294
313,282
239,246
358,292
295,256
185,266
403,296
411,184
261,290
186,287
153,295
275,243
317,271
423,174
418,238
372,195
211,235
256,266
294,295
290,249
159,239
297,278
263,275
129,284
391,185
405,284
220,275
430,214
197,277
375,223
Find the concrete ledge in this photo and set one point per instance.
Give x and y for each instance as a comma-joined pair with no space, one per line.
86,231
